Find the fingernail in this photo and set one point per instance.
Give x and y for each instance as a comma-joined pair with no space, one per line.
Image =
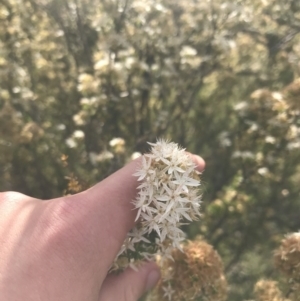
152,279
200,161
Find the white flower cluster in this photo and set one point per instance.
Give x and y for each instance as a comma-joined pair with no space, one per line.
167,196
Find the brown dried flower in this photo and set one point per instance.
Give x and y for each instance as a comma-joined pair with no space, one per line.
267,290
195,273
287,256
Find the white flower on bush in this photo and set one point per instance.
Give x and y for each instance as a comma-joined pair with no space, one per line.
168,197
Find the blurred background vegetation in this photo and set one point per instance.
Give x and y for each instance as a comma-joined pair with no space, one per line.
219,77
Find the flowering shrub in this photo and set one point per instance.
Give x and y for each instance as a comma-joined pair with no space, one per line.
94,80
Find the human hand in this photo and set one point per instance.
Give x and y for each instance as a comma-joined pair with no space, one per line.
61,249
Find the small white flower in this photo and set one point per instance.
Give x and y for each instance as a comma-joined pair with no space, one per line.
168,291
116,142
129,244
145,170
137,234
135,155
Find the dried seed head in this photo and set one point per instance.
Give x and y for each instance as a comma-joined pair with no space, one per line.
197,272
267,290
287,256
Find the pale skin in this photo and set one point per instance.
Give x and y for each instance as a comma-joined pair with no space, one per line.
61,249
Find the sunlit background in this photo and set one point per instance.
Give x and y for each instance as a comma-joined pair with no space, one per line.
84,84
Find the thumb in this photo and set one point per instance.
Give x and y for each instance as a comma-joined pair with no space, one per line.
130,285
